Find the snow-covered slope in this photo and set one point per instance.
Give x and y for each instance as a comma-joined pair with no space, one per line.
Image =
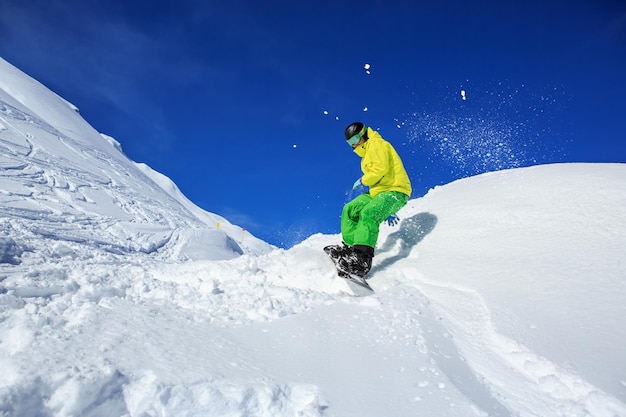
62,182
497,295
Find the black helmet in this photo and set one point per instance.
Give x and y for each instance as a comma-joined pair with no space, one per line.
354,129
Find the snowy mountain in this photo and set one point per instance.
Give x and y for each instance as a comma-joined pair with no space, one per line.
64,183
497,295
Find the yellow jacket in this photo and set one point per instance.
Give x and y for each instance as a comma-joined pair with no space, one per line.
382,167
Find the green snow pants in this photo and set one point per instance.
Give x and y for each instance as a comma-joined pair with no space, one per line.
361,217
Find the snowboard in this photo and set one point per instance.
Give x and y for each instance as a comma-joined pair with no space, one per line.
351,278
354,279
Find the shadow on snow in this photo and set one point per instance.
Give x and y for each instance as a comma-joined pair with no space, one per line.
412,231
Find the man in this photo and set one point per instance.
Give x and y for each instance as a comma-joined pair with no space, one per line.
389,191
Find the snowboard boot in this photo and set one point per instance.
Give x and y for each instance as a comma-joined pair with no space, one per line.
337,251
358,262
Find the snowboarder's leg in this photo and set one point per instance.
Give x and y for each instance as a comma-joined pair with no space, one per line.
373,214
360,222
351,215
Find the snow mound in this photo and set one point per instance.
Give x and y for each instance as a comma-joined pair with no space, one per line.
500,294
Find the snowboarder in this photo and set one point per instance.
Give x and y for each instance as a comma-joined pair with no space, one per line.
389,191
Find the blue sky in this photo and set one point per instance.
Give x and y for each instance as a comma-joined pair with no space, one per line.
243,103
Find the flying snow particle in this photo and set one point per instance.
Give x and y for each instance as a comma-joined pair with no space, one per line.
367,68
295,146
463,97
326,112
364,108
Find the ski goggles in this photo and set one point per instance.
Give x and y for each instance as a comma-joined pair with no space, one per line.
353,140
